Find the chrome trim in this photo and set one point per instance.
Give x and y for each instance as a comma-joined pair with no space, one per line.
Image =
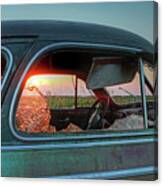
77,145
9,59
99,135
142,86
56,46
115,174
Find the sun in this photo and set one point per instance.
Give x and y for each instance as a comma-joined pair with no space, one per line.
35,81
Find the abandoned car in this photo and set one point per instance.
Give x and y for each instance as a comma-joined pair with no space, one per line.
78,101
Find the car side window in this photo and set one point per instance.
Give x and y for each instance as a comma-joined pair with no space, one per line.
58,98
3,65
150,75
85,97
6,64
126,93
48,101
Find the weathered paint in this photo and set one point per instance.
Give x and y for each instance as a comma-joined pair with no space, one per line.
68,155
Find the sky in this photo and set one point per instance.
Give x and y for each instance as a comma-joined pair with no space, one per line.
136,17
58,85
64,85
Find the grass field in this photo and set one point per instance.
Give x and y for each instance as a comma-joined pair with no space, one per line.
68,101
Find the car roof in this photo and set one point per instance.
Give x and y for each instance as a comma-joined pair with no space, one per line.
75,31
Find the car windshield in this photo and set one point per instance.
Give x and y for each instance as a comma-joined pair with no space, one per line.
129,93
126,93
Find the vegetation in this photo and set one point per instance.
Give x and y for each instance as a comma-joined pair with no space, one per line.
123,100
69,101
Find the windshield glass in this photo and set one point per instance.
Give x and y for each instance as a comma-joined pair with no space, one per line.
126,93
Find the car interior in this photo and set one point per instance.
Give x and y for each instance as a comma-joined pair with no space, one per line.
103,75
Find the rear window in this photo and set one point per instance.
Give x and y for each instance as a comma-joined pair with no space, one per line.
6,64
3,65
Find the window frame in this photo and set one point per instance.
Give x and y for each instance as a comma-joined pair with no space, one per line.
69,136
9,63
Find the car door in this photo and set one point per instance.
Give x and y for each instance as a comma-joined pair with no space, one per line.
88,154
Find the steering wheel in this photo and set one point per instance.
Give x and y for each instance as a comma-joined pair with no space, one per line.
95,118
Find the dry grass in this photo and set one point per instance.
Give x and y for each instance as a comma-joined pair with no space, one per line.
33,115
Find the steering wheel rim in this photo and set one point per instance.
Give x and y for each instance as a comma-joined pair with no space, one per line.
90,113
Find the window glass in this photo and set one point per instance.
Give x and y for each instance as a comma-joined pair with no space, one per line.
129,96
58,89
3,65
47,101
57,101
127,93
85,97
150,74
33,111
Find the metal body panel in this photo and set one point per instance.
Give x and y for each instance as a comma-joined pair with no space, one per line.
82,161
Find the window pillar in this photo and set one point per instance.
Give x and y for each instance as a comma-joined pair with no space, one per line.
142,86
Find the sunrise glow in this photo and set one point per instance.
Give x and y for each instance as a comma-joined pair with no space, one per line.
65,85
